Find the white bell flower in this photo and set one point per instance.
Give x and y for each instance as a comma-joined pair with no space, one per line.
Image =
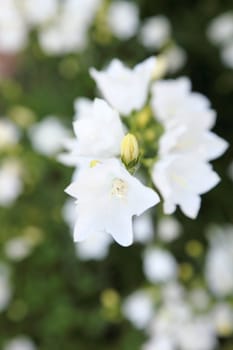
99,133
174,104
190,141
107,198
83,108
159,265
181,180
125,89
123,19
139,309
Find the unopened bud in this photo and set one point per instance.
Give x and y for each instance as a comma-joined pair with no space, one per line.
129,150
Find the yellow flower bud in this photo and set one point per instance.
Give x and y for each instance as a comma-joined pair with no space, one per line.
129,150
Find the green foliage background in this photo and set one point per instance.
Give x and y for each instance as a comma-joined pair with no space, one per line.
58,300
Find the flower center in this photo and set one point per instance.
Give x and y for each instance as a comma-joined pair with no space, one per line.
119,188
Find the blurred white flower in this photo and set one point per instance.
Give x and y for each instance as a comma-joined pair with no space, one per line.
220,29
138,308
168,229
227,54
222,314
48,136
95,247
181,180
124,88
160,342
20,343
143,228
5,286
108,196
10,182
198,334
155,32
69,31
9,133
219,261
123,19
172,292
176,58
37,12
99,133
18,248
13,30
199,298
159,265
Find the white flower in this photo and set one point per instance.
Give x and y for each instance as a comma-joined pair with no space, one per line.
219,261
175,57
98,130
197,335
124,88
159,265
5,287
189,141
143,228
123,19
10,182
38,12
181,180
94,247
18,248
69,31
20,343
174,104
160,342
223,319
9,133
168,229
227,55
83,108
13,30
155,32
48,136
138,308
220,30
108,196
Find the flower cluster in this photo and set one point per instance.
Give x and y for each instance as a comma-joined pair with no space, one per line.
220,33
169,141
